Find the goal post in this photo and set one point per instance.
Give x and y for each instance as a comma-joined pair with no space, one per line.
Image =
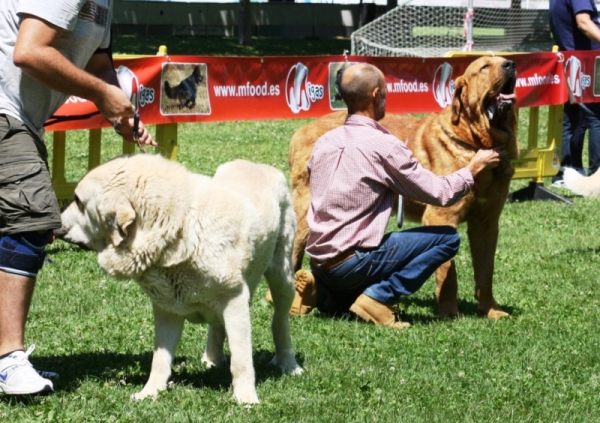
430,29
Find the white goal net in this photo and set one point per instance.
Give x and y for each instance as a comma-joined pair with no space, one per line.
432,31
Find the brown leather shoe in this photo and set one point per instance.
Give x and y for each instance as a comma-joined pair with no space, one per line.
306,293
366,308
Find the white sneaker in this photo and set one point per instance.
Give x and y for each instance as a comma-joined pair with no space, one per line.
18,377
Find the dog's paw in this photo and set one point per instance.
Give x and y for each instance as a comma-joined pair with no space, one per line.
143,394
448,313
246,396
287,366
496,314
213,361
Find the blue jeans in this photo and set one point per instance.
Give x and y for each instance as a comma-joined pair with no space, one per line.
398,267
573,135
576,119
591,113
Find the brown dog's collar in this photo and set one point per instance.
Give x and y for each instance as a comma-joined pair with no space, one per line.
458,141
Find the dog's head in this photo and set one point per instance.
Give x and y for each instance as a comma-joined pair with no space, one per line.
485,91
98,216
122,211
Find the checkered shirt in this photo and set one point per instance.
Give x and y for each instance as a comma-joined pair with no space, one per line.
356,172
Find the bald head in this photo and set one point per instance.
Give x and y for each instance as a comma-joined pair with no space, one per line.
358,86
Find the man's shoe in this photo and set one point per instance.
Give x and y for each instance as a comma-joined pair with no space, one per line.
18,377
306,293
367,309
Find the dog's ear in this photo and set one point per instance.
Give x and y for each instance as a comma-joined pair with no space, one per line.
123,223
457,100
120,217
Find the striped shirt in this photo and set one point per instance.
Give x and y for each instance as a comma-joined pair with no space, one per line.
356,172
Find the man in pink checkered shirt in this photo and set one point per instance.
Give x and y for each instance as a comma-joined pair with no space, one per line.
356,172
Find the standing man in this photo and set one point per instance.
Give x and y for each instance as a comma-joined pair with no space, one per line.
48,50
356,172
575,26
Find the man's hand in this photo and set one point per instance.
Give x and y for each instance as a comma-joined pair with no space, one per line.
485,159
125,128
114,103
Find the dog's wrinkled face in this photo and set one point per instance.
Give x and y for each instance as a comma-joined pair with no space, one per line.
78,224
81,221
486,89
99,215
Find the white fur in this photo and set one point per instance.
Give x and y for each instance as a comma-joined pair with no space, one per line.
588,186
198,247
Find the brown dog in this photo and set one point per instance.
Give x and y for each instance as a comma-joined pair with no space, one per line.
482,115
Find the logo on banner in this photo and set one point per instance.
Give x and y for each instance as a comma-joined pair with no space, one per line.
137,93
300,93
443,85
576,79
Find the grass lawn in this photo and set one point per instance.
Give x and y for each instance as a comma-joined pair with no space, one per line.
540,365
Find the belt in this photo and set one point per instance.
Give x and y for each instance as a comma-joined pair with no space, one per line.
335,261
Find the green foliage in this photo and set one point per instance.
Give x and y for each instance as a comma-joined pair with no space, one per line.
539,365
228,46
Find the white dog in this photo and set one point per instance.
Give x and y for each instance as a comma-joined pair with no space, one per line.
588,186
198,246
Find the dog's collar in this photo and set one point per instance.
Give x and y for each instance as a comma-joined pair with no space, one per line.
459,142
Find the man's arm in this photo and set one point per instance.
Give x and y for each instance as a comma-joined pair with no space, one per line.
586,25
36,55
101,66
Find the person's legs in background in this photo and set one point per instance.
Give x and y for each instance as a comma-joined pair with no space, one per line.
577,142
573,135
591,111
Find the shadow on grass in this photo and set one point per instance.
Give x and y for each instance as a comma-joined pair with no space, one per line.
110,368
465,309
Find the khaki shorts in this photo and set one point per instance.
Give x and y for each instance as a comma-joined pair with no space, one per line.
27,199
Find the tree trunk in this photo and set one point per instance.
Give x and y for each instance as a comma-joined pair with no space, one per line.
245,23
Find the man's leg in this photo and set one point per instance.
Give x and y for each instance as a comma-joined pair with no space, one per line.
405,260
28,212
377,279
411,258
591,112
571,116
577,142
15,298
21,256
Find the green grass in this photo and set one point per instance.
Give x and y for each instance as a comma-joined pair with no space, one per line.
540,365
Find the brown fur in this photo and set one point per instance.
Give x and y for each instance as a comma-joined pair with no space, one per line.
432,141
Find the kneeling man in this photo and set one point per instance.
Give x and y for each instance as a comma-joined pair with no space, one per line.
356,172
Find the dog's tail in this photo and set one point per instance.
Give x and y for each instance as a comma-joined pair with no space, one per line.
588,186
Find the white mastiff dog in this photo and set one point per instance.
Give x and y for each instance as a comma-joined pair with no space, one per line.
198,246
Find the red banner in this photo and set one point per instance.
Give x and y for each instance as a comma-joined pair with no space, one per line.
195,88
